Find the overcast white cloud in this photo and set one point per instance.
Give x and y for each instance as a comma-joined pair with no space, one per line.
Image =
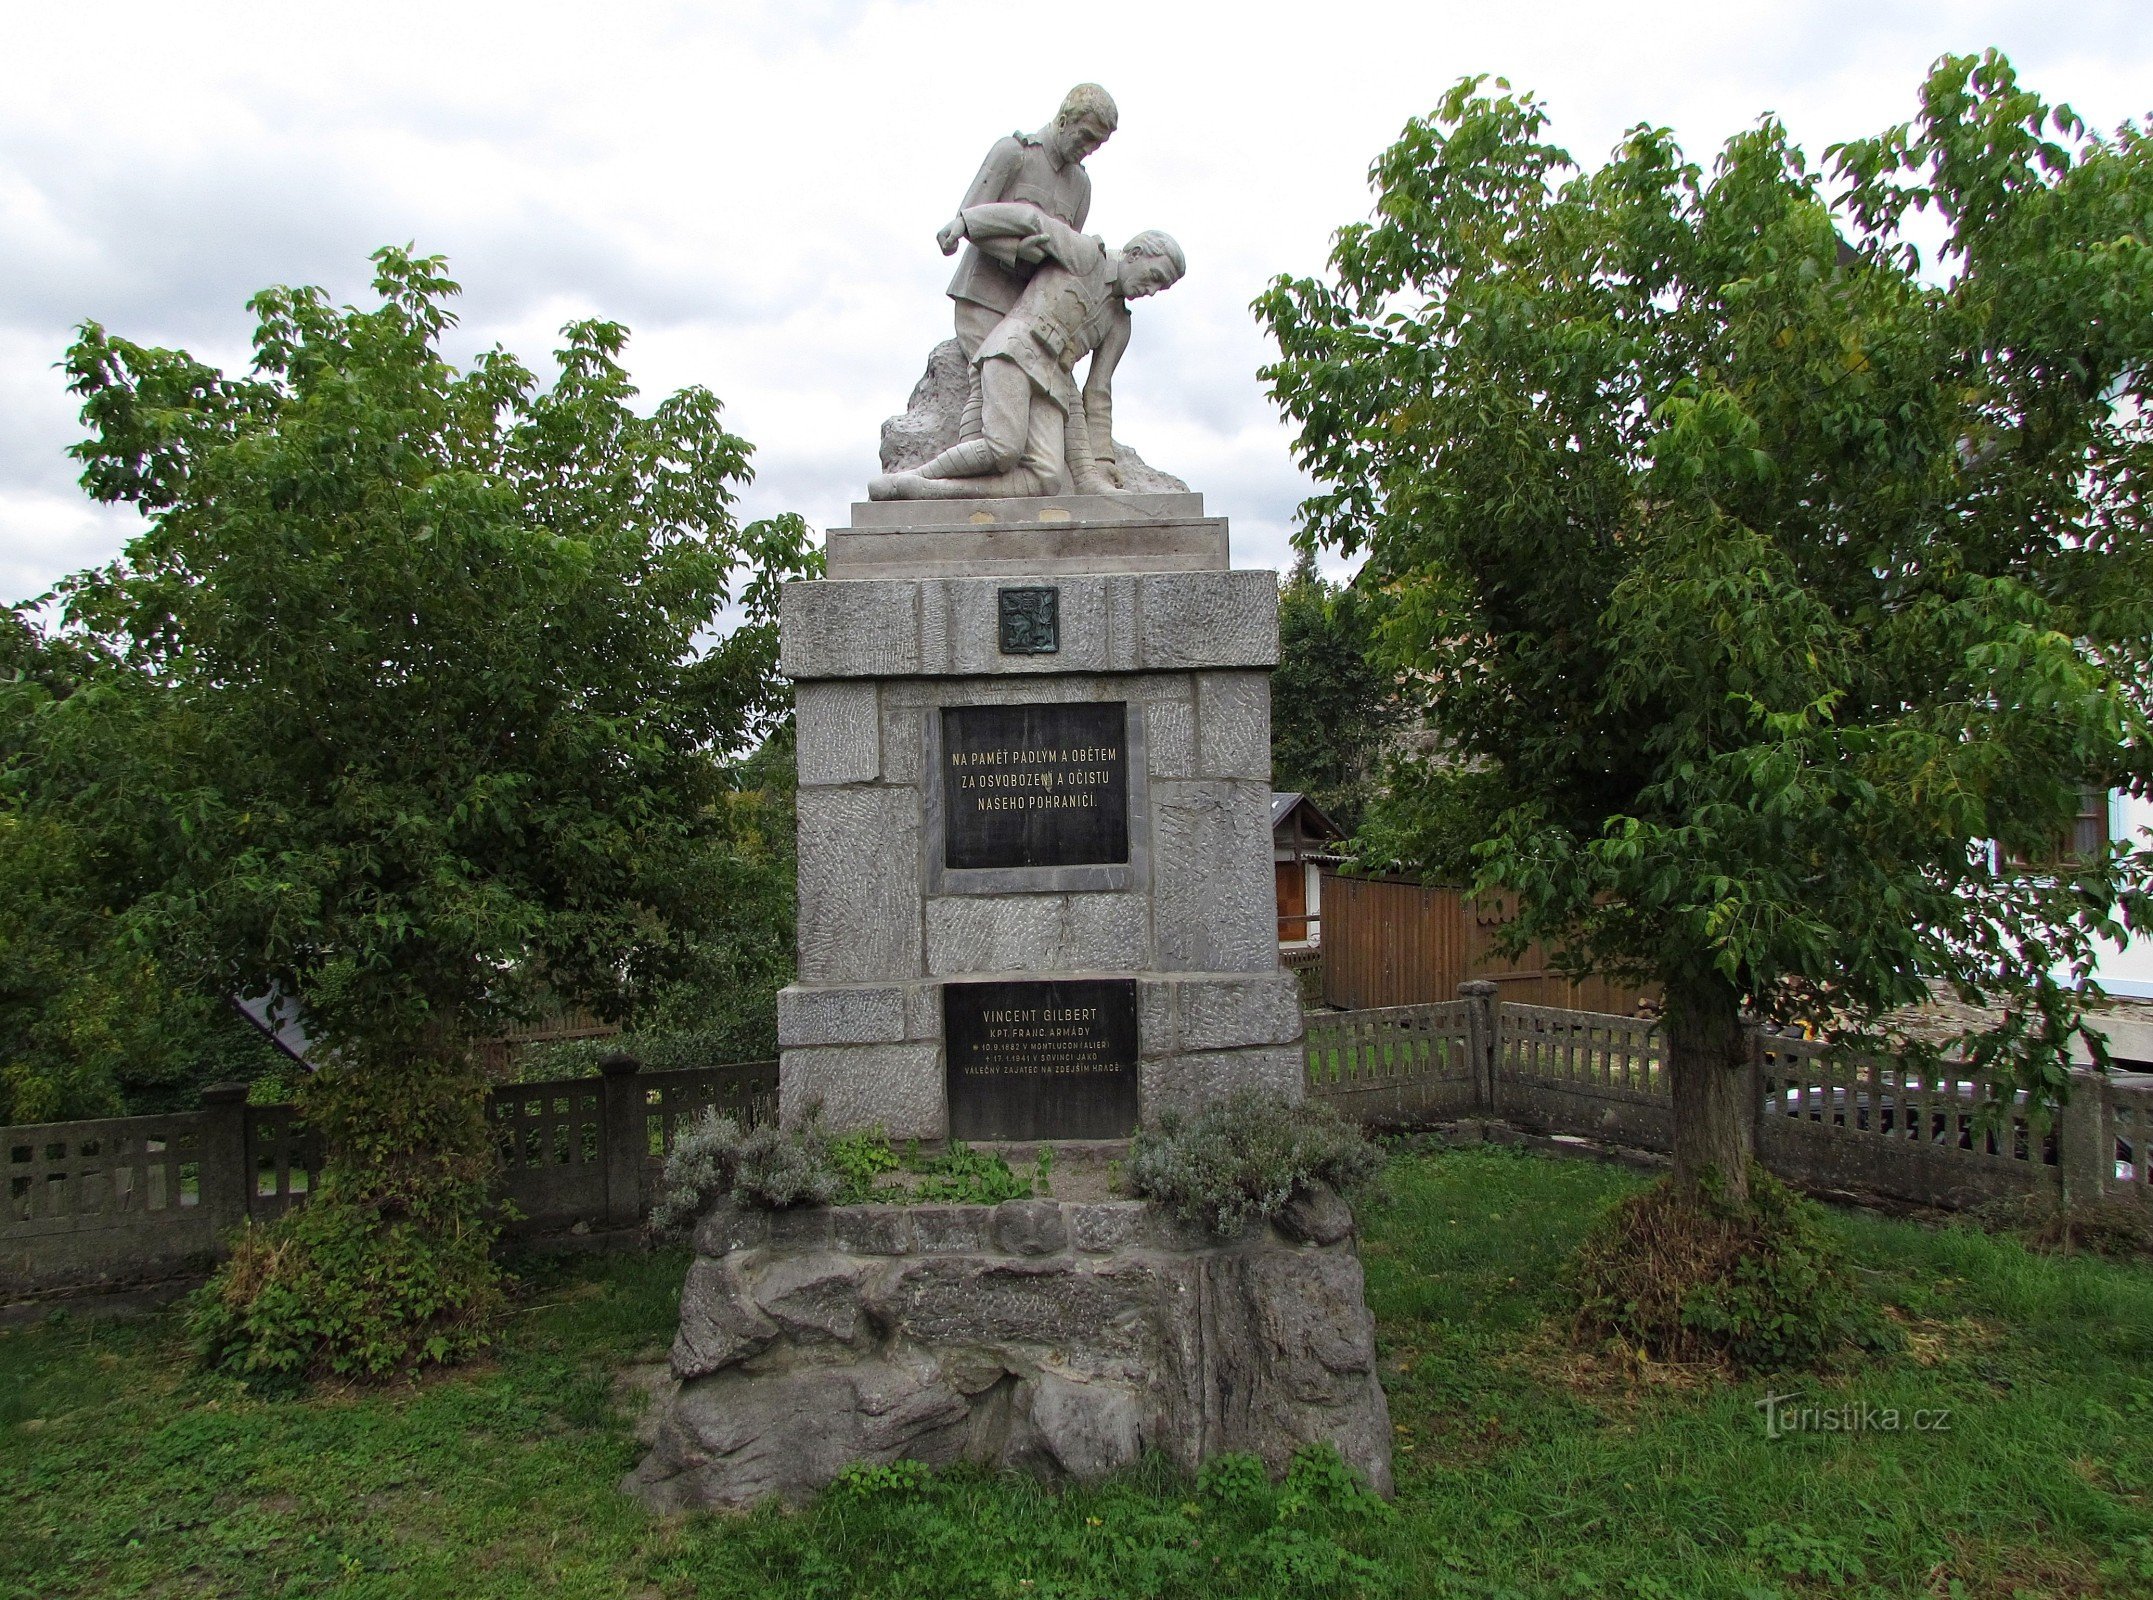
754,188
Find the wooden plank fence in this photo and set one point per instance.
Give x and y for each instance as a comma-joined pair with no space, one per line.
1395,941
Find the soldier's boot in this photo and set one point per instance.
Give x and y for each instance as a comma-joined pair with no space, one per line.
1021,483
972,458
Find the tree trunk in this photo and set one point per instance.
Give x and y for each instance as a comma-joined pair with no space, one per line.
1715,1115
407,1135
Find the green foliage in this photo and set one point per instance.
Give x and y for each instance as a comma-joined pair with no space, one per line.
2121,1228
963,1176
1803,1553
765,1165
1522,1470
400,707
786,1166
1757,576
336,1290
699,1173
94,1021
1762,1283
1246,1156
892,1479
903,1530
426,645
1333,704
770,1167
860,1158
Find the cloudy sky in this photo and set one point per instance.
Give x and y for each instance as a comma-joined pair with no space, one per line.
754,188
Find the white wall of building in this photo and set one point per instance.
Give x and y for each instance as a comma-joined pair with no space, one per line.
2129,970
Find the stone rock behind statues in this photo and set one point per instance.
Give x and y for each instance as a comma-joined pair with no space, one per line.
1053,1337
929,426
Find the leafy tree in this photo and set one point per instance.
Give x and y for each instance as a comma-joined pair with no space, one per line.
721,1003
93,1022
1761,576
442,732
1334,706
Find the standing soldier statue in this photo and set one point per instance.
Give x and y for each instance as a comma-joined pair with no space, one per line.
1044,170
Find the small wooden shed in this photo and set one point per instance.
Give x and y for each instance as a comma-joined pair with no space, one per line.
1303,842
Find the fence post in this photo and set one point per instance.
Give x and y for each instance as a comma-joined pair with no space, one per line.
1482,1021
2085,1148
627,1138
223,1182
1752,1070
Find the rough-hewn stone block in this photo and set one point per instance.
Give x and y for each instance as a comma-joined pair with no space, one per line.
728,1227
809,1015
972,609
1233,725
952,1230
903,741
1193,1079
1224,1013
1121,640
934,603
872,1230
1030,1228
1170,731
859,885
923,1011
719,1324
815,1299
1216,899
1207,619
865,629
1102,1227
1036,933
839,734
1156,1032
895,1086
1065,1340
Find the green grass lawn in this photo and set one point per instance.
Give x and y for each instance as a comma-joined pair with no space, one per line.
1523,1469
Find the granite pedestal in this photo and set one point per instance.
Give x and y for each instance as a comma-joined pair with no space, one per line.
1034,748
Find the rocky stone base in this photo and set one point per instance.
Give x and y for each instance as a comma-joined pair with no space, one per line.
1056,1337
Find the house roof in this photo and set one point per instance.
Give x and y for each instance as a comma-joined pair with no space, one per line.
1285,802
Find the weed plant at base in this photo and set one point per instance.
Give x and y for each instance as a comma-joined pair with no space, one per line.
332,1290
1699,1276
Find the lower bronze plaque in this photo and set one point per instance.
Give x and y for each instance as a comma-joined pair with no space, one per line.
1041,1059
1035,786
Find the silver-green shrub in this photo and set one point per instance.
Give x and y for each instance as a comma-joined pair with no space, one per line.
1246,1156
765,1165
788,1166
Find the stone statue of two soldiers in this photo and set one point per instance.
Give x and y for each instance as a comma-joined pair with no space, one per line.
1034,295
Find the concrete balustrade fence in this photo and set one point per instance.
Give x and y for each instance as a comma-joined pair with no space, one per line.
136,1198
1824,1120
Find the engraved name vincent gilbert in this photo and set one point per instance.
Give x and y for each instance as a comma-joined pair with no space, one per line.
1041,1039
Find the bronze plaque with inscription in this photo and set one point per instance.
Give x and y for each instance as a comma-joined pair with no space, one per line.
1035,786
1041,1059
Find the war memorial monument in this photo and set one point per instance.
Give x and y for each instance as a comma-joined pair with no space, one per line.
1036,905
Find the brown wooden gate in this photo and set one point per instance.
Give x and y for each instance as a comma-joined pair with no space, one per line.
1395,942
